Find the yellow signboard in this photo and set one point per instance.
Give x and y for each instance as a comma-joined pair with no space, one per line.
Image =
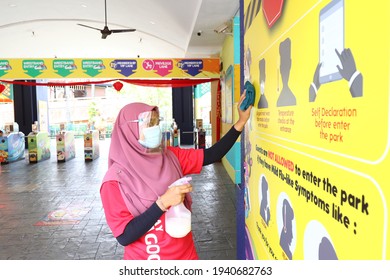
107,68
318,139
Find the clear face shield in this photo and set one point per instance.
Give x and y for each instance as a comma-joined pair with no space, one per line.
150,131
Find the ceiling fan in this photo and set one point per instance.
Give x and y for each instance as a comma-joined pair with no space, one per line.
106,31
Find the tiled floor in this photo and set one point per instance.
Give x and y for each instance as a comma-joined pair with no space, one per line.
52,211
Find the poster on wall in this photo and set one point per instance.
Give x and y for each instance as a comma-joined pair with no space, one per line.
316,146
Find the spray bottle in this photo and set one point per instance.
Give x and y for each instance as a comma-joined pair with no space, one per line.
178,217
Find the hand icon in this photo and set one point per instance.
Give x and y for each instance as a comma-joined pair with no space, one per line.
316,78
315,85
348,71
347,62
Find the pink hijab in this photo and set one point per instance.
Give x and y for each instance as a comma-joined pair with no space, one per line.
142,176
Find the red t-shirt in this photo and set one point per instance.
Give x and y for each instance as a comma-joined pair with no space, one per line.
156,244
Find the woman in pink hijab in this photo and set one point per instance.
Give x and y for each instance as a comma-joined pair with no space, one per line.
135,190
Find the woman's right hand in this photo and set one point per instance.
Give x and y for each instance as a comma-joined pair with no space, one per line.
175,195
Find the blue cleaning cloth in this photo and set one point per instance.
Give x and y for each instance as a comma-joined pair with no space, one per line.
250,96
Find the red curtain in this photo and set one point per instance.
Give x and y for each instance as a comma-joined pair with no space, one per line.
174,83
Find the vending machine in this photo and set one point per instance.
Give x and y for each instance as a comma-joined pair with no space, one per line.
65,146
91,145
12,146
38,143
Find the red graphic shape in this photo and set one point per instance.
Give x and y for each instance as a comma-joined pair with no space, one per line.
2,88
272,10
118,86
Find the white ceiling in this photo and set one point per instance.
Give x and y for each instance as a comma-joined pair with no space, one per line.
164,28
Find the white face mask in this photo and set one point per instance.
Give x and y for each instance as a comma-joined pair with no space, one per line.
152,137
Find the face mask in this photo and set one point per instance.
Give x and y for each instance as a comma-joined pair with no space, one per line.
152,137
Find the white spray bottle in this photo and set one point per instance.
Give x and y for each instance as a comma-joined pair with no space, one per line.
178,217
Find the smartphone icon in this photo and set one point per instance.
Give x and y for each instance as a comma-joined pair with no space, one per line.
331,38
